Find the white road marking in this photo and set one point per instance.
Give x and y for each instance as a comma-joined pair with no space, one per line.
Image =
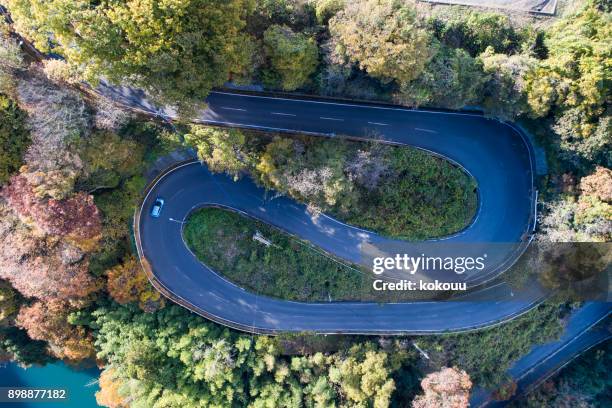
283,114
177,221
304,132
425,130
234,109
326,118
353,105
378,123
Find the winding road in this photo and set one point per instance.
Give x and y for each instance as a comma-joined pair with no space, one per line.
494,153
497,155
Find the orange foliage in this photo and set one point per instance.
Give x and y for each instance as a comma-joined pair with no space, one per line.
41,267
108,396
598,184
128,283
48,321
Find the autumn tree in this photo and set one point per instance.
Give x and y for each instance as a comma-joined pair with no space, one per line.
127,283
75,219
44,269
583,218
109,116
569,219
109,395
57,119
447,388
39,266
49,321
293,57
598,184
315,175
175,50
385,37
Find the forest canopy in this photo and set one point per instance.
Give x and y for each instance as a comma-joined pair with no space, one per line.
176,50
73,168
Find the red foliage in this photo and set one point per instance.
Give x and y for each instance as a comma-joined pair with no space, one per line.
41,267
447,388
48,321
76,218
598,184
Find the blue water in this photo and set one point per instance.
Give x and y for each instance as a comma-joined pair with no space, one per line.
80,384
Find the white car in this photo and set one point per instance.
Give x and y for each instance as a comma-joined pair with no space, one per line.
157,207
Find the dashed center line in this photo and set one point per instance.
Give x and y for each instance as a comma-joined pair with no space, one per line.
234,109
378,123
283,114
425,130
326,118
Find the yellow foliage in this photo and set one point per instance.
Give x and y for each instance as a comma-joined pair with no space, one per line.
128,283
109,396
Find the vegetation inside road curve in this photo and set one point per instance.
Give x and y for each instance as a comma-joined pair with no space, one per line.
358,183
288,269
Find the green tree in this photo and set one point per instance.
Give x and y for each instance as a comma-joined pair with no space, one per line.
585,382
452,79
14,138
365,375
384,37
15,343
11,59
108,159
326,9
172,358
176,50
10,301
504,92
293,57
223,150
477,31
573,83
487,354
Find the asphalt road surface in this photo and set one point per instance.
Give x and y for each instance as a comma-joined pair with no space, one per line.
586,328
496,154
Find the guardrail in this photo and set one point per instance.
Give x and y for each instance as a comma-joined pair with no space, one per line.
157,284
168,293
156,114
